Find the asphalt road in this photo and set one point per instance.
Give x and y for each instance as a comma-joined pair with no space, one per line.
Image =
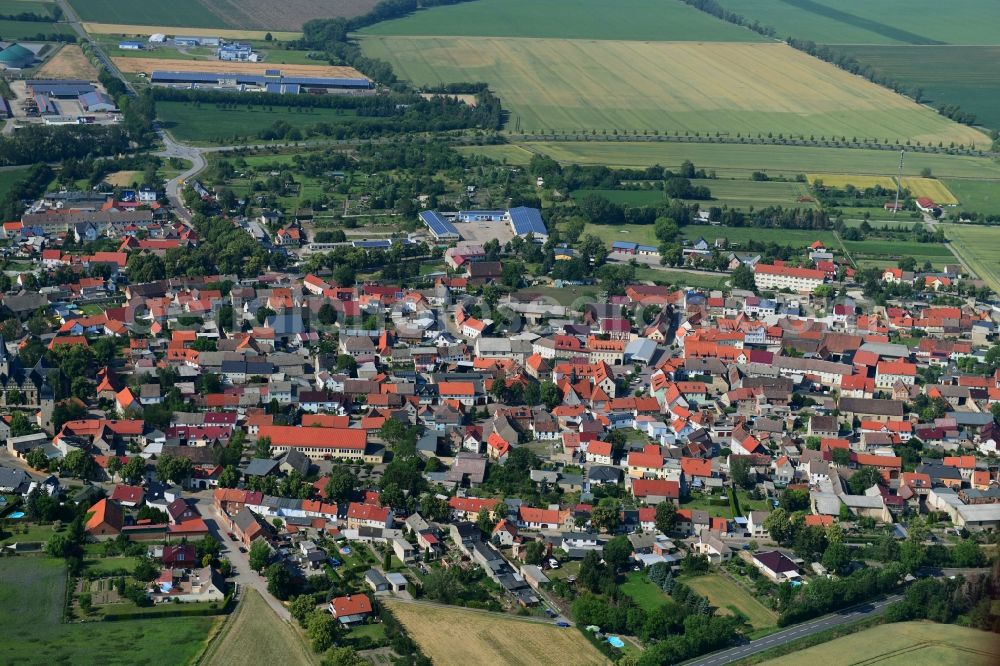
796,632
243,575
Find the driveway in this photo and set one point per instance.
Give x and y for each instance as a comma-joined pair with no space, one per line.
243,575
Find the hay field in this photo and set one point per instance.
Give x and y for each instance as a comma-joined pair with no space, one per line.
929,187
490,638
147,65
243,633
95,28
860,181
979,247
620,86
902,644
69,63
976,196
123,178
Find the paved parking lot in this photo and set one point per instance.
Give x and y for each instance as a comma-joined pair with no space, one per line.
480,232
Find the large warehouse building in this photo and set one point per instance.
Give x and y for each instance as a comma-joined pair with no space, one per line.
271,81
523,222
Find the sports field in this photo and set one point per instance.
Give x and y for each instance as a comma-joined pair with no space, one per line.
663,20
241,636
726,595
979,247
480,637
879,22
207,123
741,160
976,196
748,89
147,65
288,15
902,644
31,598
968,76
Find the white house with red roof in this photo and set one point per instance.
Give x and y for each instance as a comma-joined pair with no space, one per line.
368,515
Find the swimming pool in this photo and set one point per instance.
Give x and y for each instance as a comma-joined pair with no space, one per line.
16,515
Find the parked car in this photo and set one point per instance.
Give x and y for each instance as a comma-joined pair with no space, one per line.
243,549
563,624
232,537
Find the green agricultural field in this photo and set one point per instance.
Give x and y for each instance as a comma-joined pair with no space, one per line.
31,597
206,123
625,197
902,644
979,247
645,593
12,7
740,235
618,86
758,194
976,196
242,634
741,160
728,596
180,13
27,30
882,22
968,76
665,20
505,153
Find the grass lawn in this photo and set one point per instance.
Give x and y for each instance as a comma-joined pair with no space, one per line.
728,596
645,593
108,564
681,278
376,632
740,160
206,122
668,20
26,30
702,502
26,533
979,247
486,638
903,644
31,597
255,630
626,197
580,85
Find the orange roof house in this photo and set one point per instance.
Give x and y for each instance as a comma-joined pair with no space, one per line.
106,519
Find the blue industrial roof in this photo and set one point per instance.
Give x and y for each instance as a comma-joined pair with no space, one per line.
623,245
527,221
257,80
373,244
437,224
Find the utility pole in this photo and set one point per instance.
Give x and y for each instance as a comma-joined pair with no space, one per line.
899,182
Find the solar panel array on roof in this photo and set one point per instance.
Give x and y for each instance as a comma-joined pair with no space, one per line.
160,76
527,221
440,227
60,88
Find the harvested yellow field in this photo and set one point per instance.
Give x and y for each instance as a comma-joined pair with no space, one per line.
480,637
123,178
147,30
147,65
860,181
69,63
615,86
930,188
